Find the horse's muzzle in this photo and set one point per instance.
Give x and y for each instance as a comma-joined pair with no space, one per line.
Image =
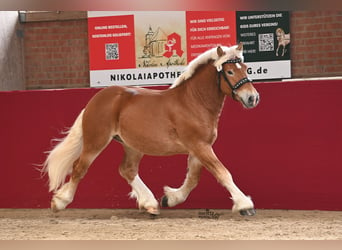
251,101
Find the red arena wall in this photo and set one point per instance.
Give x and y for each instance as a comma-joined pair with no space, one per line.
285,153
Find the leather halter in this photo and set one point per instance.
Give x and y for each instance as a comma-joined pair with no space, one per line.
237,85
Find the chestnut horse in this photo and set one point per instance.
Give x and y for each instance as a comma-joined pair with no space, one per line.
182,119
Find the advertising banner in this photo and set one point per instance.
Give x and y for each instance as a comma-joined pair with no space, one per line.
266,41
154,47
206,30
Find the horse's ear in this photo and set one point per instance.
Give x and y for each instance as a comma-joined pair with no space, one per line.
220,51
240,46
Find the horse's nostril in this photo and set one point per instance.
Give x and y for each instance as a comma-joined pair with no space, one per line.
251,100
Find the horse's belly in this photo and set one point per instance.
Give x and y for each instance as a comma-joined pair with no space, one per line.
155,146
153,141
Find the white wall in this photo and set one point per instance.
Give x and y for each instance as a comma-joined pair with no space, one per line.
11,52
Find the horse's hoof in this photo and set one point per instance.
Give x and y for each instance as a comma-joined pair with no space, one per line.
153,211
54,207
58,204
164,201
248,212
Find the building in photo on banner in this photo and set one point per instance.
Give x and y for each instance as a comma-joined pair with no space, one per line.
154,43
160,39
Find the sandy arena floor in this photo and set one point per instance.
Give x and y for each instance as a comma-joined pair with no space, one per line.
171,224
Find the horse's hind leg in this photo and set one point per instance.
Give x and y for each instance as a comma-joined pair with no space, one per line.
129,170
91,149
65,195
175,196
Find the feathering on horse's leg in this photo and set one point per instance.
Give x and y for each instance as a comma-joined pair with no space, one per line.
175,196
129,170
242,203
65,195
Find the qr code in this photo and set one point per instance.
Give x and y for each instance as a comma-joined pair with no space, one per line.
266,42
112,51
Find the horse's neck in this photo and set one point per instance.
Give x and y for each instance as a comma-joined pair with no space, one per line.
204,90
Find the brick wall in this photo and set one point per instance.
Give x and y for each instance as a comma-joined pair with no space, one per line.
316,49
56,52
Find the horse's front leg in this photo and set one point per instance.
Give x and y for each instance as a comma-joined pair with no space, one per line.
284,50
175,196
242,203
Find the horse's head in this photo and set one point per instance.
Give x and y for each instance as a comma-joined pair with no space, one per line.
233,79
279,32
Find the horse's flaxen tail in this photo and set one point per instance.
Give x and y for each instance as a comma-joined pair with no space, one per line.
61,158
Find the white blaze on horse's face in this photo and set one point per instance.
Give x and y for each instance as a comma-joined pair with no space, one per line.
248,96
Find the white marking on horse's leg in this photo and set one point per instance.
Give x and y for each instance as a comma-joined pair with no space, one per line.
176,196
241,201
63,196
144,196
223,176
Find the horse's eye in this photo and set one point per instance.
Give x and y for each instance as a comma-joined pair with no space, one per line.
230,72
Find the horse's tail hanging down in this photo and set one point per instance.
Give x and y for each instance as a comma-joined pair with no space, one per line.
59,162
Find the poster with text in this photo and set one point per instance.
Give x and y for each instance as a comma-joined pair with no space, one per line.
136,48
154,47
266,40
208,29
112,42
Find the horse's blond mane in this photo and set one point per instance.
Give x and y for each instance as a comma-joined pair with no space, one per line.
211,54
